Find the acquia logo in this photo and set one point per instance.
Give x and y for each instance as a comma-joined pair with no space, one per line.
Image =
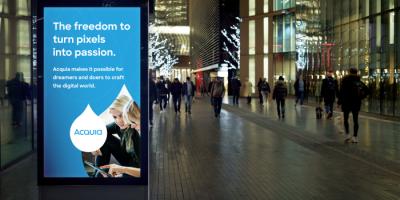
88,132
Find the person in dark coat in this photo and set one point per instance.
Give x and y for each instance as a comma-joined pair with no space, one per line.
299,88
176,91
168,82
279,94
236,84
18,92
188,90
350,101
329,91
260,81
162,93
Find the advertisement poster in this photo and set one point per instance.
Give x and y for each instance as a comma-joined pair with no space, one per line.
92,93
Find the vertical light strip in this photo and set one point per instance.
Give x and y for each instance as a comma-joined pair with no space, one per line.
266,66
391,28
252,37
252,71
252,7
265,35
266,6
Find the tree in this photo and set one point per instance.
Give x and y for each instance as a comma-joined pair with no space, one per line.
160,57
233,46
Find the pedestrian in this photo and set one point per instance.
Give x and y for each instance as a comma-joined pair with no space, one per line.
236,84
248,90
17,92
265,89
188,93
329,91
168,86
351,93
176,91
259,90
210,84
217,92
152,99
279,94
162,94
299,88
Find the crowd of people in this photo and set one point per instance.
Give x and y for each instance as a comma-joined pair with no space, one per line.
348,95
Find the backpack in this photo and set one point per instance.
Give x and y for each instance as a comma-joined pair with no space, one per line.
330,85
218,90
265,86
360,90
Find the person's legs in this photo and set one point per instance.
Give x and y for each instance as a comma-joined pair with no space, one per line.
346,120
151,113
179,103
301,97
219,105
160,102
260,97
248,99
278,107
189,104
355,121
283,107
175,101
165,101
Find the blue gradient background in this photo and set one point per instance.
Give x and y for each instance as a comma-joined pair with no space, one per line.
61,106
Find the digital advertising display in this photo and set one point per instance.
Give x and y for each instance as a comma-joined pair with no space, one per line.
94,114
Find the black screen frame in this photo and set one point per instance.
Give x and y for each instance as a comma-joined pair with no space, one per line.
38,28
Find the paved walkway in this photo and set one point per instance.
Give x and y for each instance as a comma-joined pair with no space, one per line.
248,153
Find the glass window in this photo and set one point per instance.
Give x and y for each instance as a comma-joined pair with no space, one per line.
391,28
4,6
378,31
252,70
278,33
266,66
266,6
287,34
23,38
266,35
364,8
24,66
252,7
252,37
278,4
22,8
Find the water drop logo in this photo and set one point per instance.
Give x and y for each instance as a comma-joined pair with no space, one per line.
88,132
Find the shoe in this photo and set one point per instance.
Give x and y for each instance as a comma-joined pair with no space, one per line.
347,138
283,116
354,140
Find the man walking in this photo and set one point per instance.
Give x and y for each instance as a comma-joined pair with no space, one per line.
329,90
188,93
217,92
236,84
279,94
18,92
162,93
352,91
176,91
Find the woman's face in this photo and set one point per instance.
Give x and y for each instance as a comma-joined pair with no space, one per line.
118,118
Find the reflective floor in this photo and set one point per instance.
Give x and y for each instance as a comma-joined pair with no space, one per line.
248,153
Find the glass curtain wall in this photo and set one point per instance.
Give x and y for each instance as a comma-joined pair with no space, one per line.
284,51
16,121
365,34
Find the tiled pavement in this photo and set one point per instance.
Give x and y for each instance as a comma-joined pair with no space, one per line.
248,153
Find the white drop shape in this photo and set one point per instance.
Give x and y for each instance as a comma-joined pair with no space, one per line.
88,132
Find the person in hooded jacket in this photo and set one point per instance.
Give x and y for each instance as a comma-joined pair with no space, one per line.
279,94
350,100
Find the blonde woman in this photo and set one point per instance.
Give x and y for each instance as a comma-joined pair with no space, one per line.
125,150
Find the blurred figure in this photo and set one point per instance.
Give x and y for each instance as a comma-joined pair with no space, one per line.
248,88
209,89
265,90
18,92
176,91
329,90
279,94
352,91
236,84
168,86
217,92
259,90
299,88
188,92
152,98
162,93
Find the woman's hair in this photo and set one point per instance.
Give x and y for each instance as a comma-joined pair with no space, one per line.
131,112
119,103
